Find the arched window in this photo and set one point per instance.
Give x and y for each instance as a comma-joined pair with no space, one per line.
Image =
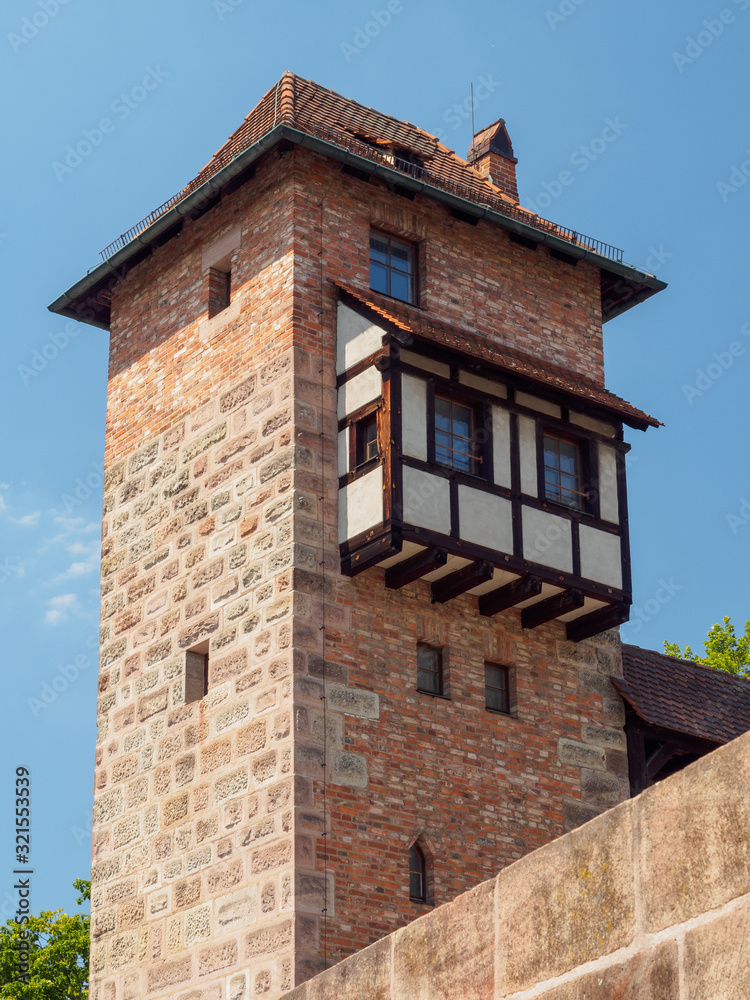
417,874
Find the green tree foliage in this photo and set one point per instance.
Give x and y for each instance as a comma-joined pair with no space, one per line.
58,954
723,649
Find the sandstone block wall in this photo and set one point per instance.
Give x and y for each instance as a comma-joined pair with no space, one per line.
650,901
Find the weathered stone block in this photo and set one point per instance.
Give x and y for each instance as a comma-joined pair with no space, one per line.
717,957
695,845
237,910
652,975
599,788
567,903
160,976
348,769
272,939
354,701
449,951
579,755
603,736
217,957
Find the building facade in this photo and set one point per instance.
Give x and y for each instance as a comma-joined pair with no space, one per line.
365,537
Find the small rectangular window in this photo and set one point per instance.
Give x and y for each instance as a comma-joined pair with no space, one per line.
563,472
392,267
456,435
429,670
366,448
196,676
497,688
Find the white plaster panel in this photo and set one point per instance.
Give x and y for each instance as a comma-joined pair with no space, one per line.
608,506
601,558
429,364
484,384
527,449
222,247
356,338
360,390
344,451
592,424
485,519
427,500
535,403
414,416
501,446
547,539
361,504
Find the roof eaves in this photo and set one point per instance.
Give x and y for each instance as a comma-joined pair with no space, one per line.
213,184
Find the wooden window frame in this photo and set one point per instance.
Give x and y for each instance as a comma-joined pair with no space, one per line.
506,689
439,672
482,418
588,487
418,867
356,425
415,257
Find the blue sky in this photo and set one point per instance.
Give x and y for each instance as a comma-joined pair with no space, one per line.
173,80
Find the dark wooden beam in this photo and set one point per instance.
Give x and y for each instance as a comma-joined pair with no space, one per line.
597,621
458,583
510,595
636,742
660,757
553,607
415,568
371,553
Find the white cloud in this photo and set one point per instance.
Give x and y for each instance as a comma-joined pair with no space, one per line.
28,520
58,608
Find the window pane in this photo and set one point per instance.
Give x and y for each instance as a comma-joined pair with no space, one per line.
442,413
429,670
401,256
562,471
496,688
379,278
400,286
371,440
462,420
378,249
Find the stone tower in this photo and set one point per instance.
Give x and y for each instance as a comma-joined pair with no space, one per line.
365,533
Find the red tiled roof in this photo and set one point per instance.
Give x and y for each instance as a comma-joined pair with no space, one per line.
684,696
420,324
306,105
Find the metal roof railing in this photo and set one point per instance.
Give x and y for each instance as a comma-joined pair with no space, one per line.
414,170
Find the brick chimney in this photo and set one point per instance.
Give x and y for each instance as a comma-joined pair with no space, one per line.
491,153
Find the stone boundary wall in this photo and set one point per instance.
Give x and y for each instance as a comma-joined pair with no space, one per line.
649,901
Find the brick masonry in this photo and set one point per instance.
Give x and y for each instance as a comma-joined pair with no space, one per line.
209,865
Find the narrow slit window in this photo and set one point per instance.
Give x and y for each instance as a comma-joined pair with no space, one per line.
563,477
196,676
455,435
497,688
219,289
417,875
429,670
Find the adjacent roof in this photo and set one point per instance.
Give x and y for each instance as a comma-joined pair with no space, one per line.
684,696
301,111
419,323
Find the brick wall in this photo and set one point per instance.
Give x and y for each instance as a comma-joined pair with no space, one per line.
648,902
208,859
